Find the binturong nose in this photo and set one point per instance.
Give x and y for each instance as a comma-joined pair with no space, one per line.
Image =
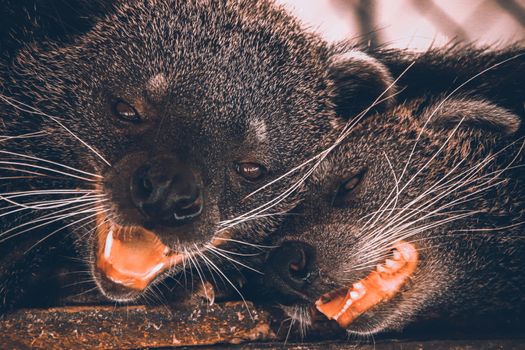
290,268
164,190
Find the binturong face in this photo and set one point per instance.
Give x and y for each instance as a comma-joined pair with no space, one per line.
416,215
164,119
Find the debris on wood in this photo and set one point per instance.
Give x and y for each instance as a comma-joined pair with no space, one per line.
132,327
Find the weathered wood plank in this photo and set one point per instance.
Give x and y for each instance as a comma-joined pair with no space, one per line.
106,327
142,327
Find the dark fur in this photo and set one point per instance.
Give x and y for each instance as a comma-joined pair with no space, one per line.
464,275
206,75
484,73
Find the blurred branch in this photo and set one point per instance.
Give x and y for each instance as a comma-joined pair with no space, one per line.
514,9
442,21
364,11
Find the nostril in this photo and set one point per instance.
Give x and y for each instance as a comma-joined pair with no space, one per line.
166,193
300,267
292,265
297,267
147,186
141,186
188,207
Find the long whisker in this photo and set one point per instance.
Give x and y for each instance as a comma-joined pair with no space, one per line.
229,281
195,263
51,204
62,228
28,109
23,136
262,247
225,256
35,166
445,100
399,230
320,157
51,162
46,221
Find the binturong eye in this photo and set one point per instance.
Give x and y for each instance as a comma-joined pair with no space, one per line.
251,171
126,112
347,187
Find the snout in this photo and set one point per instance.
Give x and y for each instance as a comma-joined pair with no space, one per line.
291,269
155,208
164,190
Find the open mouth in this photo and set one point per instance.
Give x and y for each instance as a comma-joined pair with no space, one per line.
346,304
132,256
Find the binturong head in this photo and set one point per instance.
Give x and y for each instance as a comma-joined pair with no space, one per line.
177,121
417,215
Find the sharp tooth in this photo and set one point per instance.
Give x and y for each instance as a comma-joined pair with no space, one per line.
390,263
406,253
109,244
157,268
343,310
354,295
358,286
381,268
397,254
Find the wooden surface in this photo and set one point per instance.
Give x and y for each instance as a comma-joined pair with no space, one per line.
220,326
132,327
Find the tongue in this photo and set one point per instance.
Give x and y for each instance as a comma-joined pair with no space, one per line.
133,257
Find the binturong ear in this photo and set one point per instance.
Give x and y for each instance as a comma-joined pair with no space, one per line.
362,83
472,113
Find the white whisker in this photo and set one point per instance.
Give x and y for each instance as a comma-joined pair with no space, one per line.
16,104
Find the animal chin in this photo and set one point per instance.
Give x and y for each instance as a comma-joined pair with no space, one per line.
131,256
346,304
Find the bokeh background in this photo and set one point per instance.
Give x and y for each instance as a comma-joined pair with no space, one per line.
414,24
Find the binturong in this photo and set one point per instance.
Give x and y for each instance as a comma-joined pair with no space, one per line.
417,217
158,138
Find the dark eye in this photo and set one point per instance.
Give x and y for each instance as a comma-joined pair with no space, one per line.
348,186
352,183
126,112
251,171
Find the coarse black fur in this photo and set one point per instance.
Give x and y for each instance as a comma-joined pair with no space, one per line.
28,21
447,176
215,83
478,72
490,73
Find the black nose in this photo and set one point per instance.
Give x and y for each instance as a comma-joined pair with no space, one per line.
165,191
291,267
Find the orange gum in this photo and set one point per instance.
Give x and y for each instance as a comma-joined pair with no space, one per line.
380,287
135,257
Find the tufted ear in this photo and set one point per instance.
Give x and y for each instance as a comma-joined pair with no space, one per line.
473,113
359,80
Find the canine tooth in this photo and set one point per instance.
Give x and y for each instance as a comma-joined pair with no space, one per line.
109,244
157,268
381,268
390,263
354,295
343,309
358,286
405,252
397,254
